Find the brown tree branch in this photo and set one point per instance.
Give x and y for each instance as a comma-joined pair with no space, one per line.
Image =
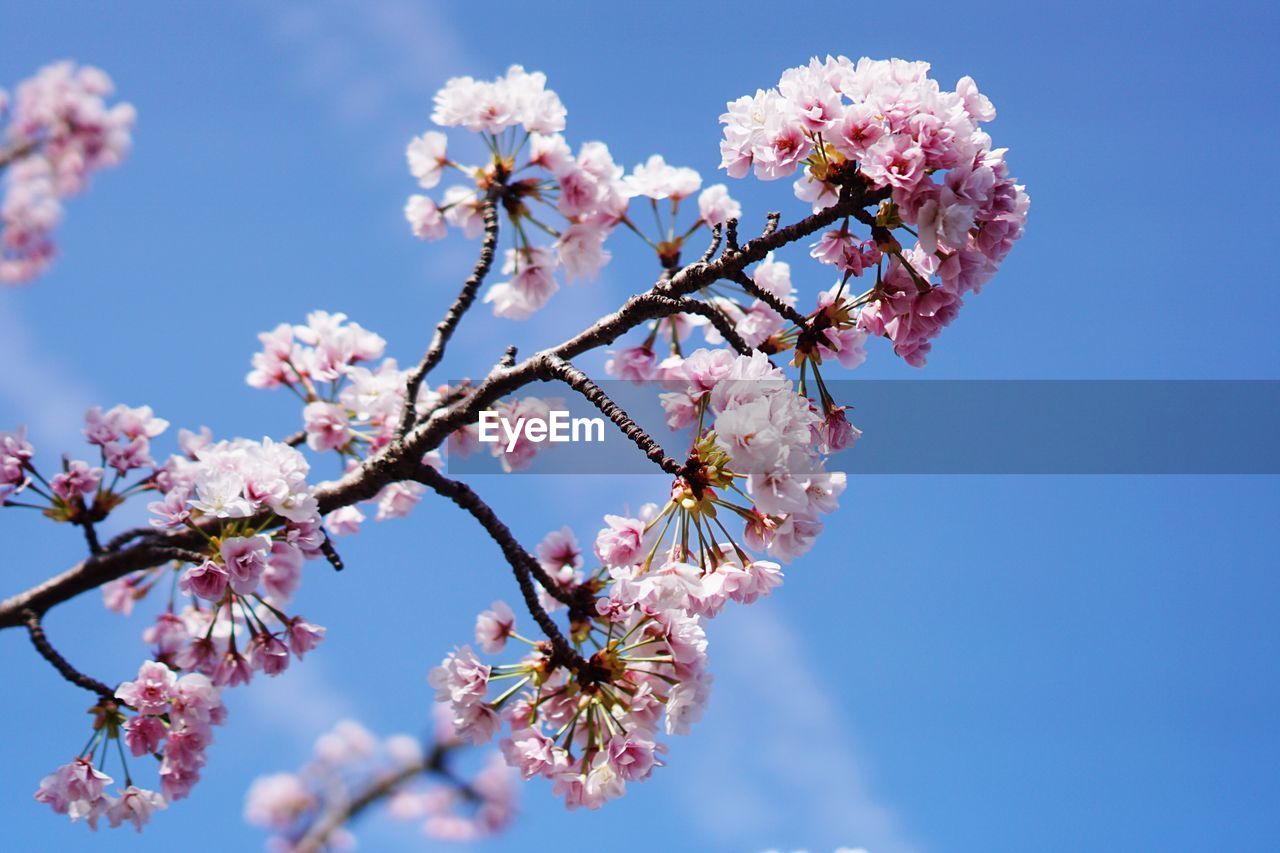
717,232
717,318
445,328
788,312
557,368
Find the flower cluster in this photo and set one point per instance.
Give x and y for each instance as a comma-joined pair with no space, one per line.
622,660
15,463
174,721
259,518
80,791
354,403
595,727
79,492
60,131
349,760
576,200
889,126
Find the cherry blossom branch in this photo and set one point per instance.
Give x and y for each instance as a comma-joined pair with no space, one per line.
331,553
557,368
731,235
41,641
402,458
445,328
523,564
636,310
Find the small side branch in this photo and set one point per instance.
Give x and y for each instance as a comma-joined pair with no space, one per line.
446,327
787,311
771,222
91,537
41,641
331,553
115,543
714,315
717,232
181,555
557,368
731,236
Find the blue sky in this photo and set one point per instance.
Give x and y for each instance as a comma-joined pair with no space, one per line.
964,663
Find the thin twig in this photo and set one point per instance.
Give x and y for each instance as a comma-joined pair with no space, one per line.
321,832
731,236
11,155
770,299
445,328
126,536
557,368
713,314
331,553
717,232
91,537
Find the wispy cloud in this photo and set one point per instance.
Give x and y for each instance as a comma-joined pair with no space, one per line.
300,705
37,389
796,778
369,58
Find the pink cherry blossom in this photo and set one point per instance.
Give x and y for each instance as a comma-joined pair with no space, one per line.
494,626
207,580
327,426
634,364
135,805
621,542
78,480
245,559
715,206
144,735
151,691
427,158
425,218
